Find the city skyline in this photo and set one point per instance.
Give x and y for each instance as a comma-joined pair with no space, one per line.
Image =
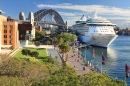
117,12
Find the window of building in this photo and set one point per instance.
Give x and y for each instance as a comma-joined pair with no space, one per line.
10,31
10,36
21,35
5,26
11,26
10,41
29,32
5,36
5,31
5,41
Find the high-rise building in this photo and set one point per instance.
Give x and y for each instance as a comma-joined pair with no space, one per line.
21,16
31,18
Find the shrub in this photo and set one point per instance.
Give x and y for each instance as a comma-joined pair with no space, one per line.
37,43
34,54
25,52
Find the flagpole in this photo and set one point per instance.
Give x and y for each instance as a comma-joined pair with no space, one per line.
125,73
93,55
93,61
125,78
101,68
101,64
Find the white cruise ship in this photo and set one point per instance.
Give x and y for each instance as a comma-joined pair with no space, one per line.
95,31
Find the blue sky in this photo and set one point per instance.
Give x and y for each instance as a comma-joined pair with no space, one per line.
117,11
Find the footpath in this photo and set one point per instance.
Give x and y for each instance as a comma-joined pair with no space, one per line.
78,63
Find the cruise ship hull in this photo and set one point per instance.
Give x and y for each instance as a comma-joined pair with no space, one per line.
96,31
102,40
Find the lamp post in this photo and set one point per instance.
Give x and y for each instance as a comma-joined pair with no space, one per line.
105,71
116,78
92,64
97,67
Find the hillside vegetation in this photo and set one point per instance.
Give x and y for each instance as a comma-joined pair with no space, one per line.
23,72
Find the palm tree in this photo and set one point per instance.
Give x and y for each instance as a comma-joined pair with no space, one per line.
64,48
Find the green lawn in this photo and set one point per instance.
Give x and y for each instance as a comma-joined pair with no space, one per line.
42,53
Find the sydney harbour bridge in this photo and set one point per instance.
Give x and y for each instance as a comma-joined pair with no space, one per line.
49,18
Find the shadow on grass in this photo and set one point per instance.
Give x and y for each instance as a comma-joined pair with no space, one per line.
40,57
40,48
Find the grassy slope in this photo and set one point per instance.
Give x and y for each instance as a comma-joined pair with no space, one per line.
42,52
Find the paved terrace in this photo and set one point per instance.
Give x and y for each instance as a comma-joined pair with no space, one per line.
78,63
41,46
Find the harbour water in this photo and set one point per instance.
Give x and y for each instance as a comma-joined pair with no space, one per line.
117,55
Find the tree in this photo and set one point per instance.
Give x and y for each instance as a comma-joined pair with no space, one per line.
67,76
54,39
68,37
60,41
39,35
37,43
64,48
51,40
48,42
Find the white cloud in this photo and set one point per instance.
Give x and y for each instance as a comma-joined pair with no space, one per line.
67,14
2,11
105,10
116,15
65,4
122,23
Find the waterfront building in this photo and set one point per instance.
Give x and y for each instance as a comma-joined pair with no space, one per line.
2,18
8,33
21,16
26,30
127,31
31,18
26,33
39,28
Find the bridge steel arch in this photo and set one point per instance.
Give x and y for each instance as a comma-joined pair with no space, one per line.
41,13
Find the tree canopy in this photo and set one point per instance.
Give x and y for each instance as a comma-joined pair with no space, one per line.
37,43
68,77
67,37
39,35
64,48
